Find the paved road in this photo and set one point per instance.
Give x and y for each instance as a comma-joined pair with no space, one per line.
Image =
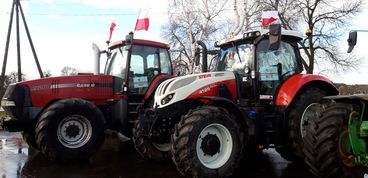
119,159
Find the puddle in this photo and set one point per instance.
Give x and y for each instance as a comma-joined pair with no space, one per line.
13,154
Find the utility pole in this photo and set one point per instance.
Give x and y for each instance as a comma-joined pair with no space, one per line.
17,6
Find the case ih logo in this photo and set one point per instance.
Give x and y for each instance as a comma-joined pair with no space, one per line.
85,85
204,76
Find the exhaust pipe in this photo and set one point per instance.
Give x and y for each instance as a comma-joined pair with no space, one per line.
97,54
204,56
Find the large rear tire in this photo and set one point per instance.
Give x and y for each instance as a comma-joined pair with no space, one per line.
207,142
326,144
70,130
147,148
293,146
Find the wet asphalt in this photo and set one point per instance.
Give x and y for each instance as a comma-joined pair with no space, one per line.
118,159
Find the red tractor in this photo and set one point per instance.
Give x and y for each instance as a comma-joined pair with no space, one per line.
254,98
66,117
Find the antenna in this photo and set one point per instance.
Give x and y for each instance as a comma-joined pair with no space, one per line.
17,6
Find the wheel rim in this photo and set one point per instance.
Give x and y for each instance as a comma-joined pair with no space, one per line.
308,113
74,131
218,136
344,149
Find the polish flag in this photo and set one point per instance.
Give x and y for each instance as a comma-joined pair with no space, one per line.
269,17
142,24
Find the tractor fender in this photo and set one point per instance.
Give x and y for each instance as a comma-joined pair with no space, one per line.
298,82
228,105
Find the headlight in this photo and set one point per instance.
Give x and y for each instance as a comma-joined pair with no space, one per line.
7,103
167,99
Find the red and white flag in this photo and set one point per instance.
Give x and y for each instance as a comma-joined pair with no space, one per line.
269,17
142,23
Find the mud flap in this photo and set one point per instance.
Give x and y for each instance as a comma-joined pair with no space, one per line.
120,117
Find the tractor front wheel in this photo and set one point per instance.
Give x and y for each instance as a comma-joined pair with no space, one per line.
327,147
70,130
207,142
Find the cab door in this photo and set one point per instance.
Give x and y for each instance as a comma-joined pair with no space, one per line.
274,67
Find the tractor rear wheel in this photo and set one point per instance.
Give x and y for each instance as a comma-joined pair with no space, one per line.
207,142
292,148
326,144
147,148
70,130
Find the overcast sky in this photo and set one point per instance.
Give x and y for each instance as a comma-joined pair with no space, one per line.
63,31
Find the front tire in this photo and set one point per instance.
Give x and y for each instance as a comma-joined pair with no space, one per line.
327,146
70,130
207,142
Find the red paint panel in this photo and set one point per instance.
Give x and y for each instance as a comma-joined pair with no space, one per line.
94,88
213,89
292,85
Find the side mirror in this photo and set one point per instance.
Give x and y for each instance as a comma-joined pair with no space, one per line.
352,40
275,36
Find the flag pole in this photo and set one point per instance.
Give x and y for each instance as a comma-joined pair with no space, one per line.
139,13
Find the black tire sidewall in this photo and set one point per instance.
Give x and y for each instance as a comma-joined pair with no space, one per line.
305,98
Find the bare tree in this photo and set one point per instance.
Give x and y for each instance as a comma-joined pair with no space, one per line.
326,20
208,21
190,21
66,71
246,15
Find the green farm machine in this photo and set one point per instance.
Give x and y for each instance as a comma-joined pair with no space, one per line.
335,144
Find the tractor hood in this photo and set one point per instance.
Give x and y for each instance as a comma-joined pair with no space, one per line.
40,92
195,86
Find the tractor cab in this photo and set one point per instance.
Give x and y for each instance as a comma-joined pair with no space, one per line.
257,66
137,65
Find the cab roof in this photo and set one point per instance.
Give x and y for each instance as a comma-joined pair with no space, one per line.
140,42
255,33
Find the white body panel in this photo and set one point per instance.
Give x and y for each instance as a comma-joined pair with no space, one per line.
182,87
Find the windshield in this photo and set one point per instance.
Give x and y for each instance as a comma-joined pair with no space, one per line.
235,58
116,62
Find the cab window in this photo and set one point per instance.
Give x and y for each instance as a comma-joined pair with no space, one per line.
275,66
